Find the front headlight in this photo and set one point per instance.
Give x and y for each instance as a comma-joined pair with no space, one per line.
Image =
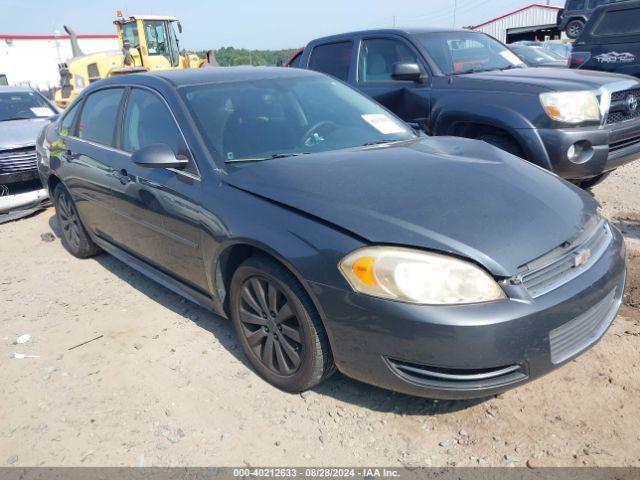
418,277
571,107
79,81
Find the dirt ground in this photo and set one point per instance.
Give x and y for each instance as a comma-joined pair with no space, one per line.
166,383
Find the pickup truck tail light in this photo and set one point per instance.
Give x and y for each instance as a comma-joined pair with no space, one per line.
578,59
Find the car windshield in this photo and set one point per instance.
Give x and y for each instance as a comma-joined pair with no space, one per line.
22,105
467,52
271,118
535,55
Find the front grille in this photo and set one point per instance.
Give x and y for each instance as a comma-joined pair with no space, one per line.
584,330
567,261
619,112
18,160
453,378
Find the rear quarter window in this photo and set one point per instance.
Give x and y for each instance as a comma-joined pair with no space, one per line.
333,59
617,23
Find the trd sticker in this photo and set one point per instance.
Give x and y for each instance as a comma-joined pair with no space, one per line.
615,57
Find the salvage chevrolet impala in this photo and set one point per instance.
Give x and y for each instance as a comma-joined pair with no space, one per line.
331,234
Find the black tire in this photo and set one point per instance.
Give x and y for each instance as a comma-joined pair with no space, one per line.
592,182
503,142
299,356
574,28
73,235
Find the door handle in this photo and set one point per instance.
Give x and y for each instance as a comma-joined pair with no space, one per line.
123,176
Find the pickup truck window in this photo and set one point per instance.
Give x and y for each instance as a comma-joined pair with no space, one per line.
333,59
377,57
458,53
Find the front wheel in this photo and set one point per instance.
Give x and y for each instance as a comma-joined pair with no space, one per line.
574,28
278,326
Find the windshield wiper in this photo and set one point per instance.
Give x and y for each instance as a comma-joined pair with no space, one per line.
381,142
511,67
16,118
285,155
270,157
475,70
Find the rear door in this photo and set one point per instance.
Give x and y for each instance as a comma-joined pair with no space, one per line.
159,207
89,157
334,59
377,56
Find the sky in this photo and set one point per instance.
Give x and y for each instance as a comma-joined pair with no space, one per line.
253,24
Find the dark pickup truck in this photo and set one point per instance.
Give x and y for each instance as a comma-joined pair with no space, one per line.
465,83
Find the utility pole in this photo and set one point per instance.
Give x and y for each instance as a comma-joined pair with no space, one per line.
394,21
455,9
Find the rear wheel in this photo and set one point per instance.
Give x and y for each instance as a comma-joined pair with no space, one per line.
74,237
278,327
592,182
503,142
574,28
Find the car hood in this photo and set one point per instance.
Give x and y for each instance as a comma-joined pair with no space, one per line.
541,79
20,133
447,194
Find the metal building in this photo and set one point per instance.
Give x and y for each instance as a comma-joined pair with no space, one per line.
533,22
33,59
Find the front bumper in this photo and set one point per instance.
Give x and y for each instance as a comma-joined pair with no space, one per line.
18,177
611,147
471,351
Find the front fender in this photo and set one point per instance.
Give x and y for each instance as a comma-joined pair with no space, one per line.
302,243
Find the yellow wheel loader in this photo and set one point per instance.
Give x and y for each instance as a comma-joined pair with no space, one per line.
147,43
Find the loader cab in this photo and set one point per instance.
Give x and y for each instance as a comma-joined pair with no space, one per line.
151,40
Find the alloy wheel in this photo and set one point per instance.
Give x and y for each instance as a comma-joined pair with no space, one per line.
270,326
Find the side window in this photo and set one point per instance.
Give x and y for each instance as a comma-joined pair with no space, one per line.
99,116
130,34
379,55
148,121
576,4
67,124
333,59
618,22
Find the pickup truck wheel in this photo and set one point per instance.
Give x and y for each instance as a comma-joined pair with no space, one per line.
592,182
278,326
503,142
574,28
74,237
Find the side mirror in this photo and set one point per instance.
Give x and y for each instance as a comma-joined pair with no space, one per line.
158,155
408,72
179,27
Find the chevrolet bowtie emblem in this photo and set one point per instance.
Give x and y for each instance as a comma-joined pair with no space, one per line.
581,257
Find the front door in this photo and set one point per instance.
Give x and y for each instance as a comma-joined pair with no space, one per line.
376,58
159,207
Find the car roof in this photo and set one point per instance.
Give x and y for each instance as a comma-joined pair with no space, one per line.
198,76
397,31
13,89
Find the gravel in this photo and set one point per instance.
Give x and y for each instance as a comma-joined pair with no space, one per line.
167,384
